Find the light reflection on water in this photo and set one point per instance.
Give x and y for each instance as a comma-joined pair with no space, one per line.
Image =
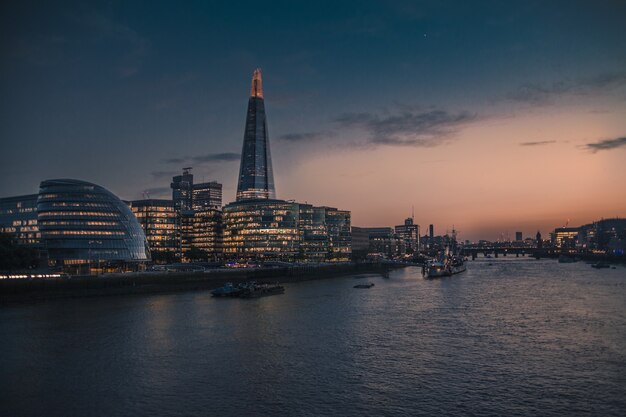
519,336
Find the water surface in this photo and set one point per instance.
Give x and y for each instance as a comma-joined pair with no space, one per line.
517,337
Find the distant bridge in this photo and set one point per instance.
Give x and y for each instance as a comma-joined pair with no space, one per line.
496,251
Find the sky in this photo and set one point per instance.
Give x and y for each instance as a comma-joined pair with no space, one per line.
489,116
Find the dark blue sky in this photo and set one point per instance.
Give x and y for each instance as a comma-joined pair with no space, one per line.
126,93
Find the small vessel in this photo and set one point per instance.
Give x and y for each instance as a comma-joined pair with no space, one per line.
600,265
566,259
254,290
368,285
228,290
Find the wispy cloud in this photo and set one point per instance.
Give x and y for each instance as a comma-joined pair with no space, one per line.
605,145
163,174
423,128
200,159
306,136
537,143
157,192
543,93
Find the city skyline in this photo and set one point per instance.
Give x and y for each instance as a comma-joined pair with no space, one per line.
491,138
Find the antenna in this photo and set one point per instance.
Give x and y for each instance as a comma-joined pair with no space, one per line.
413,212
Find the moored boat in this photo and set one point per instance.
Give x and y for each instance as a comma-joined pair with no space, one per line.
228,290
368,285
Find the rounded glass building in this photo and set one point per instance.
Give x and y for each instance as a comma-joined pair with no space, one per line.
82,223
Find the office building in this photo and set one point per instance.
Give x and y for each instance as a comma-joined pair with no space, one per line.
207,195
262,230
518,236
158,221
18,218
182,190
409,234
256,178
82,223
565,237
259,227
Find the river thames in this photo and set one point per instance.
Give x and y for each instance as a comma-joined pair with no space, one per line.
507,337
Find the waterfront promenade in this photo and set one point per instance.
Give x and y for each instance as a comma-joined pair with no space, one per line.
25,290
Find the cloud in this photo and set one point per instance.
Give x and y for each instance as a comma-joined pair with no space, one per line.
543,93
538,143
305,137
605,145
163,174
157,192
422,128
212,157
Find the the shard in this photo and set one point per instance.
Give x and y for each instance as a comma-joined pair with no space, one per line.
256,179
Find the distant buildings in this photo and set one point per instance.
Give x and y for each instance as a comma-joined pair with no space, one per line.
18,218
565,237
409,233
518,236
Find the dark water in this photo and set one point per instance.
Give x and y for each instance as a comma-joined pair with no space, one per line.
520,337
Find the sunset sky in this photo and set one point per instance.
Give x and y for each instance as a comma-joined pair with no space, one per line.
490,116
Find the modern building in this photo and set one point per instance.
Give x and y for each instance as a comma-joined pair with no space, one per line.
256,178
565,237
360,242
182,190
339,234
82,223
314,242
259,227
207,195
159,223
202,234
262,230
606,235
18,218
409,233
518,236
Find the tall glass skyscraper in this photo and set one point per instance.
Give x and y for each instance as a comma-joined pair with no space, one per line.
256,179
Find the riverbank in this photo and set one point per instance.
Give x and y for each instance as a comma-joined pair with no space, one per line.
39,289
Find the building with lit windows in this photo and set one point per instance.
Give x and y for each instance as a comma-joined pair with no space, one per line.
565,237
256,178
339,234
409,233
182,190
82,223
259,227
262,230
206,195
18,218
158,220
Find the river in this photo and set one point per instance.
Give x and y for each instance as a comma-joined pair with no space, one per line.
511,336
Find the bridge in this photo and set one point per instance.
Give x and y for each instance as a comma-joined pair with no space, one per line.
496,251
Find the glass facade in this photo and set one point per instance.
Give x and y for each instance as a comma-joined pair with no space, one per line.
256,179
286,231
204,232
262,229
339,234
409,233
207,195
82,222
18,218
158,221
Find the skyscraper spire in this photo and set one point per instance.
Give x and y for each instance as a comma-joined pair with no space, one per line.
256,179
256,90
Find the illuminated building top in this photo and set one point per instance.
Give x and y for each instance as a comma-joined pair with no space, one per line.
256,179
